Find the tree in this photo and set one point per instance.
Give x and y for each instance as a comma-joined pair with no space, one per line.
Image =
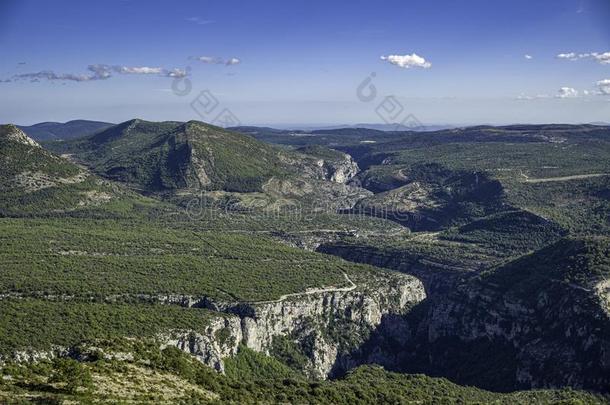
72,374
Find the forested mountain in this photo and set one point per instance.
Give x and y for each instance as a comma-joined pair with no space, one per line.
168,252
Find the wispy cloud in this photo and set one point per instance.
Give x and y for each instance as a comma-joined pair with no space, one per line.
138,70
107,70
536,97
175,73
211,60
97,72
215,60
601,88
528,57
563,93
567,92
603,58
407,61
199,20
568,56
604,87
600,57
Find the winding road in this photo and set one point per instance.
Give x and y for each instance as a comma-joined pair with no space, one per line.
562,178
311,291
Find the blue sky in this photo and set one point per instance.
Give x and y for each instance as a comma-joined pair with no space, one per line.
292,63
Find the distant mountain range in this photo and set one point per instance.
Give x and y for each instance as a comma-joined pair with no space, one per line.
53,131
49,131
379,127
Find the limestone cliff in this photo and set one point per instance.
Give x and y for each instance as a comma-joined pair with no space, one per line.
330,164
220,339
540,321
322,324
341,170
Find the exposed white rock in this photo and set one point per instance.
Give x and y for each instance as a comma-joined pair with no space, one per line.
11,132
316,317
313,316
344,171
220,339
300,317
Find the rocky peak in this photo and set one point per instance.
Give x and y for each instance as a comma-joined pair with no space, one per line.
14,134
343,170
338,167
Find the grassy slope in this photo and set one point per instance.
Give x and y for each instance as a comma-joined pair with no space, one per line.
102,258
165,155
27,324
580,205
172,377
508,160
478,245
582,262
35,182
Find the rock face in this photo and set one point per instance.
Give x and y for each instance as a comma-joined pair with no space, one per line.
341,170
333,165
561,337
220,339
12,133
323,325
330,323
526,321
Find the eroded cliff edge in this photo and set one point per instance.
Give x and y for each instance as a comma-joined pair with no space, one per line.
321,325
539,321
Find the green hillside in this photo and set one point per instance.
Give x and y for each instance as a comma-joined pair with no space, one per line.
574,261
34,181
171,155
143,213
169,376
100,259
565,180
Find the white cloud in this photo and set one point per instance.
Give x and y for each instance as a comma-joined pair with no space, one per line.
604,86
176,73
215,60
568,56
141,70
407,61
212,60
99,72
528,57
567,92
536,97
138,70
601,57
